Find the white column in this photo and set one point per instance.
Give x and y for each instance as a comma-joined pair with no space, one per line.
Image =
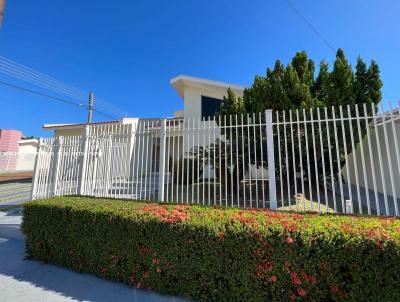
161,172
84,150
36,171
56,166
271,159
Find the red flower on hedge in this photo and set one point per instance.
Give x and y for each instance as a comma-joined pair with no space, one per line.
293,296
156,261
138,285
379,246
272,279
334,288
158,269
146,275
295,278
289,240
301,291
286,267
310,278
144,250
220,234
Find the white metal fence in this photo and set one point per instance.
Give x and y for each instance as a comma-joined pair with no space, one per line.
326,160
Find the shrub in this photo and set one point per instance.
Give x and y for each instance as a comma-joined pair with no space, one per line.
218,254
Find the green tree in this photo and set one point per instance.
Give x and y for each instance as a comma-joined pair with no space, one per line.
341,82
321,88
361,89
295,87
374,83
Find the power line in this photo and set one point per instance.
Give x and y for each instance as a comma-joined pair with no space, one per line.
29,79
42,78
21,72
53,98
311,26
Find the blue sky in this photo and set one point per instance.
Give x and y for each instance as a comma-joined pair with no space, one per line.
127,51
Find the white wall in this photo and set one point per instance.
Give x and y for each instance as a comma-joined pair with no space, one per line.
26,156
192,98
372,160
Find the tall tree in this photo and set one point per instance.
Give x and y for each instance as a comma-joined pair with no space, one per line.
294,87
361,89
341,82
374,83
304,68
321,88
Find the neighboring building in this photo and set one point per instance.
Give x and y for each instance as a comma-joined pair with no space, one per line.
9,145
9,140
16,153
78,129
27,154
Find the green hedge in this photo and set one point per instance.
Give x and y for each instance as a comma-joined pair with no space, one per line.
216,254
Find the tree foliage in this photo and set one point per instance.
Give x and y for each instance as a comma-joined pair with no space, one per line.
296,87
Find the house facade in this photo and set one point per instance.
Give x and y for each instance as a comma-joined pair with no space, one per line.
140,137
201,98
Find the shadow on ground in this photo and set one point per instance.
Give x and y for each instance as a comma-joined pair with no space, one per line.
27,280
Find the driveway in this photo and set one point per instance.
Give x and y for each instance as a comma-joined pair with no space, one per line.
27,280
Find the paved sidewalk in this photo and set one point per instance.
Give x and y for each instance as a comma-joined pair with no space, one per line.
26,280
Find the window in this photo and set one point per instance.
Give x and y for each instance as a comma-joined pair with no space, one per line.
209,106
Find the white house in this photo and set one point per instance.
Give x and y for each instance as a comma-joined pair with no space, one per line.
201,99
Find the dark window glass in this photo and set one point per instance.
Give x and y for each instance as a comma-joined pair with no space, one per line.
209,106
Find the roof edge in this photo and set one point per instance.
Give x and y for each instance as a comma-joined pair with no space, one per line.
180,81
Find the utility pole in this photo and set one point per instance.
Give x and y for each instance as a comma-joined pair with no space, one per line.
2,5
90,113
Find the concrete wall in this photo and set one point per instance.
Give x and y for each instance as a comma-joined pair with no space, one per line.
372,161
27,155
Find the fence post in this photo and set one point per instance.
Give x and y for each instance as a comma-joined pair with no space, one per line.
271,159
57,159
35,171
84,149
161,174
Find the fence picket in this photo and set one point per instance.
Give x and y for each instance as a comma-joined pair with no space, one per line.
150,157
